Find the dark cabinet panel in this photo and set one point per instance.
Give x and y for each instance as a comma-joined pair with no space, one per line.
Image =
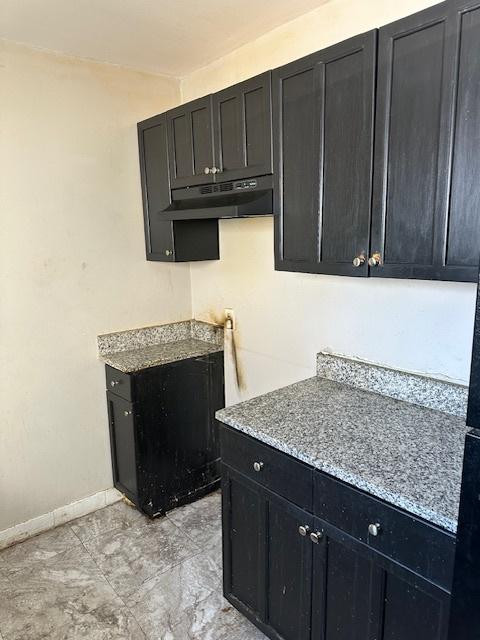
243,129
123,444
190,143
463,244
413,611
289,570
167,241
323,108
359,594
347,592
243,515
165,449
426,202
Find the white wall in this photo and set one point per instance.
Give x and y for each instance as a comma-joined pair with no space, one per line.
283,319
72,265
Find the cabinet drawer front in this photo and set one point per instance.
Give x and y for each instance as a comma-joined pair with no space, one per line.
417,545
276,470
119,383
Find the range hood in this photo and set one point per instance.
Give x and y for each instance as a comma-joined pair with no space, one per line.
235,199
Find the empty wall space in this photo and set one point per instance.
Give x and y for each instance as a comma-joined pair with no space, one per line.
283,319
72,265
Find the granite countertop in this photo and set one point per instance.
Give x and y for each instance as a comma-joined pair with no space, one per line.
137,349
403,453
157,354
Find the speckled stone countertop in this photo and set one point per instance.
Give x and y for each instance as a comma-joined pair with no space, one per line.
138,349
403,453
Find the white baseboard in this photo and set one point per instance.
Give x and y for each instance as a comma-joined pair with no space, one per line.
59,516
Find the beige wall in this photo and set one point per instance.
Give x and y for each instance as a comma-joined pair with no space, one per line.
284,318
72,265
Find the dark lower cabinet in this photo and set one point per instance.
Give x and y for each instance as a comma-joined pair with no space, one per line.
163,433
298,576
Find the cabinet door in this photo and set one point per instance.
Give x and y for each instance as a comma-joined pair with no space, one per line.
289,569
413,609
243,526
190,143
359,594
463,239
323,107
152,141
347,590
426,194
123,443
242,123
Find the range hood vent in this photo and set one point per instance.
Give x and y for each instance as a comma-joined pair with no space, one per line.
237,199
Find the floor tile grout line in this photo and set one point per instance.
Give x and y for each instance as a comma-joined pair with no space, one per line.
114,590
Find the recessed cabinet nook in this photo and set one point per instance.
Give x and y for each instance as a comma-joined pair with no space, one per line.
373,145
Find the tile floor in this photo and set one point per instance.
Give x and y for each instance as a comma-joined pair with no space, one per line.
115,575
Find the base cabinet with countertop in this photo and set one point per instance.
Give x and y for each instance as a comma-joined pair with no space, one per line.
307,556
163,432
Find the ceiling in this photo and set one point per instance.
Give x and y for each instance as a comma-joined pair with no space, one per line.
172,37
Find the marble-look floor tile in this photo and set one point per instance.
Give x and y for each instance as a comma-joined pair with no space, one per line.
200,520
115,516
130,557
52,599
214,619
38,549
165,600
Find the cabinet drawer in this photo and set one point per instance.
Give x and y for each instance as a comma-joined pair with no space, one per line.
413,543
119,383
273,469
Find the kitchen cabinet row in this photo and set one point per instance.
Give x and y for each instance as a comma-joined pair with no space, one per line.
373,144
307,557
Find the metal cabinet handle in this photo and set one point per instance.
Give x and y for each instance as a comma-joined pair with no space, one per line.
257,466
215,170
207,170
127,413
374,529
168,252
375,259
358,261
114,383
316,536
303,530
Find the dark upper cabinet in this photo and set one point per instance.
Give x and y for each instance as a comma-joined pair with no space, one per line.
190,143
167,241
426,221
323,111
243,129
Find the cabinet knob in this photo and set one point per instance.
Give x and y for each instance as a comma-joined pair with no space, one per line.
374,529
113,383
215,170
375,259
206,171
168,252
127,413
316,536
257,466
358,261
303,530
